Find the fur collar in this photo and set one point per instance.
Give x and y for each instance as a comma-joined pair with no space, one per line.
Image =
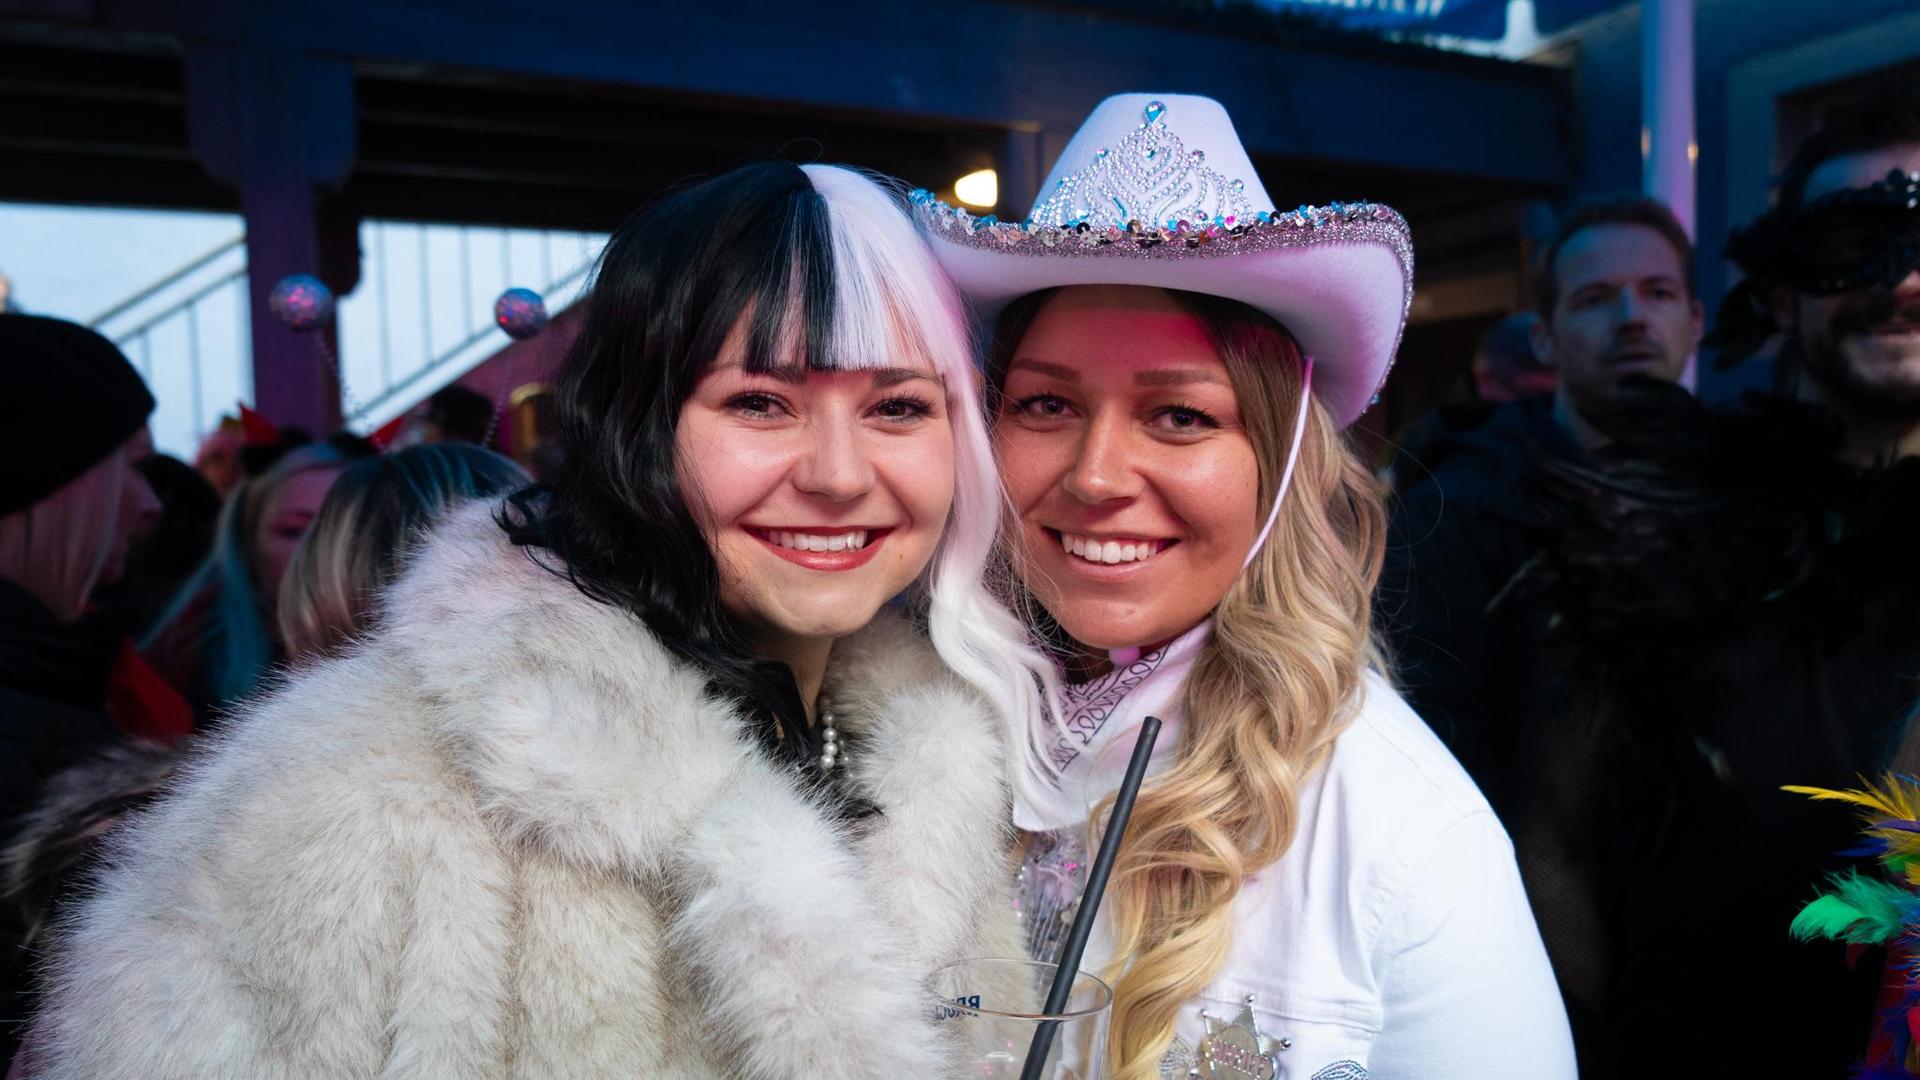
584,736
583,733
631,844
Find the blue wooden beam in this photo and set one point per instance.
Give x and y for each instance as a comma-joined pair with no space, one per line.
977,61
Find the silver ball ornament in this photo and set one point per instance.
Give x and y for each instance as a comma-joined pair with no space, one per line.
521,313
302,302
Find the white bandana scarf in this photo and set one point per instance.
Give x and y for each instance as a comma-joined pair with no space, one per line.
1101,723
1090,752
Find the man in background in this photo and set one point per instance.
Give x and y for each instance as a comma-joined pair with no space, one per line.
1616,301
1722,604
1839,261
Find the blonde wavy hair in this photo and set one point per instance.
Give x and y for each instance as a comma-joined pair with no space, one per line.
1276,683
371,520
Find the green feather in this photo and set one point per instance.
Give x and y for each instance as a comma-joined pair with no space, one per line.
1860,910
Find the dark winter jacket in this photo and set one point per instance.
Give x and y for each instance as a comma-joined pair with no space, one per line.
1718,607
1460,531
53,684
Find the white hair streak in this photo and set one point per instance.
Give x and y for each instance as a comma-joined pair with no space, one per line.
889,290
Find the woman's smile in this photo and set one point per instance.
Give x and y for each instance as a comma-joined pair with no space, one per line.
1122,449
821,547
1106,549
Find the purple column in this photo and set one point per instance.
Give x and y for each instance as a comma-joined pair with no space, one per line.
1668,149
277,125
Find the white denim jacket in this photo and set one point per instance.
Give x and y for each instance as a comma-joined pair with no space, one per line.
1393,939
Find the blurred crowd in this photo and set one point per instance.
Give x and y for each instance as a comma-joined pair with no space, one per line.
142,597
1635,617
1632,616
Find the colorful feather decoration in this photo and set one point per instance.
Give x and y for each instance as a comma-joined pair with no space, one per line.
1891,813
1898,797
1878,909
1859,910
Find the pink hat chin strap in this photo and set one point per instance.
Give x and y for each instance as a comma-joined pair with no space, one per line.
1127,655
1293,456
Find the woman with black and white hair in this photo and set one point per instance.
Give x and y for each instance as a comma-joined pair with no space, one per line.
636,777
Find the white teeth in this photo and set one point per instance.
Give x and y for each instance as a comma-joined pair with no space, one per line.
1109,552
847,541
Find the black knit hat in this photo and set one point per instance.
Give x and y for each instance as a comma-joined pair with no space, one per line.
68,398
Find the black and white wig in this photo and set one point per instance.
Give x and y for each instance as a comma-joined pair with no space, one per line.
829,274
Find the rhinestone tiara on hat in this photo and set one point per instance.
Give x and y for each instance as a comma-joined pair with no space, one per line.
1149,176
1150,196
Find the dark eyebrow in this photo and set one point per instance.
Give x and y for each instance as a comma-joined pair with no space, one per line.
794,375
894,376
791,374
1058,371
1176,377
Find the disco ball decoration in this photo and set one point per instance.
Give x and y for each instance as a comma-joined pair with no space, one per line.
521,313
301,301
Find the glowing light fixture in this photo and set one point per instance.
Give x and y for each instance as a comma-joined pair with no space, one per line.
980,189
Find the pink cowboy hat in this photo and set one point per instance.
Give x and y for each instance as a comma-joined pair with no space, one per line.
1156,189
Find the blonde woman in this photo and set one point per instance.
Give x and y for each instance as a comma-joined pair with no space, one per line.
214,642
374,515
1311,887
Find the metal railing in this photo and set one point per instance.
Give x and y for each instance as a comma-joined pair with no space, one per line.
188,330
421,316
423,313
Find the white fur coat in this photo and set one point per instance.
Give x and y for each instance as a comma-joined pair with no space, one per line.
511,836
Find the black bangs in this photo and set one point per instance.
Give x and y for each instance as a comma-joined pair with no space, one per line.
766,257
672,284
788,330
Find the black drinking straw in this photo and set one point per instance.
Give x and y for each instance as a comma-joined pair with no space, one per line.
1068,967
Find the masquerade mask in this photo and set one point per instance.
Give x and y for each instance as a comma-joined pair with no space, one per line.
1842,242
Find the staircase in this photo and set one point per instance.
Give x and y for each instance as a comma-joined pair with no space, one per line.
421,316
189,335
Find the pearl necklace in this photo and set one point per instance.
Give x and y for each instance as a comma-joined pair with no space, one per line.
829,743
